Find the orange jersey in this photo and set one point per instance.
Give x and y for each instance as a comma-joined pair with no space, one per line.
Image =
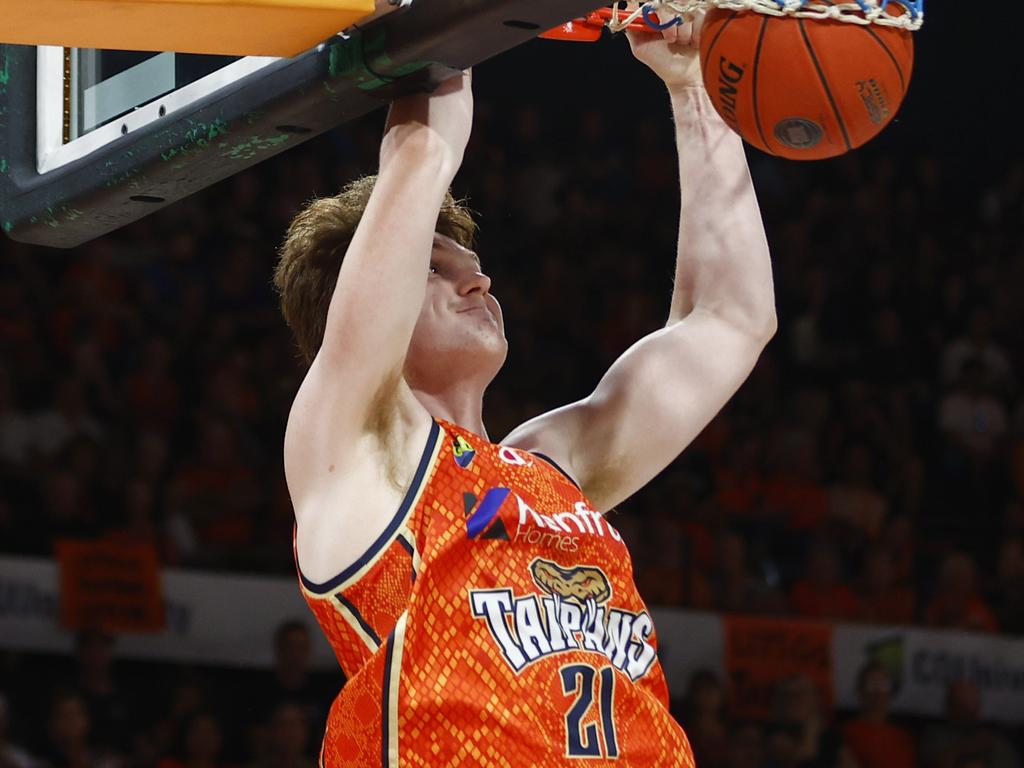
494,623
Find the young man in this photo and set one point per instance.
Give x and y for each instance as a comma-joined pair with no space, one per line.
482,609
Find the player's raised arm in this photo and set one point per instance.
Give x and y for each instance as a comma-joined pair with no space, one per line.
356,373
723,266
665,389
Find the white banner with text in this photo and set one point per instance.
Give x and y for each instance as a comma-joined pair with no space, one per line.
229,620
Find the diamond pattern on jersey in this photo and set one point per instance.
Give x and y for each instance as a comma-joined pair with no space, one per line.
523,597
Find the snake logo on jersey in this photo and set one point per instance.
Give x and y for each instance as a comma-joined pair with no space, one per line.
573,613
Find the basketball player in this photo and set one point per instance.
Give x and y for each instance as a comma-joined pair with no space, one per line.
483,610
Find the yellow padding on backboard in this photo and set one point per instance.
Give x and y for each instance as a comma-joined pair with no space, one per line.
234,27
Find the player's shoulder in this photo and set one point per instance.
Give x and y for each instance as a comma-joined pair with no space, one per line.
355,484
551,435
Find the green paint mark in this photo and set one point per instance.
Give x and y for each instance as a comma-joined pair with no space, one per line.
8,226
348,60
201,133
363,60
51,218
198,136
254,146
5,73
120,178
334,59
3,165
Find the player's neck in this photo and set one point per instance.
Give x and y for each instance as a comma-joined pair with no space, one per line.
460,404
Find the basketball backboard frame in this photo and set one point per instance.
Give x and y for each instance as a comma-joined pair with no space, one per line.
62,194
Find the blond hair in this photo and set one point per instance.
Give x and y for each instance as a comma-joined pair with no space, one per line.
315,244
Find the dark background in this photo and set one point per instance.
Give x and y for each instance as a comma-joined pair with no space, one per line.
145,378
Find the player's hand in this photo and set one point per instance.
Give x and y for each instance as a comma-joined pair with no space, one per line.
434,122
673,53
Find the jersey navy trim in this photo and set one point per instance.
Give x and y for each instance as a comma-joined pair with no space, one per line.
561,471
385,538
359,618
406,544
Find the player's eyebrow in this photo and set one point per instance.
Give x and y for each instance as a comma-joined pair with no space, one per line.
446,242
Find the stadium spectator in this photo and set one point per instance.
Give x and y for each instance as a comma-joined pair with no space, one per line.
185,699
821,593
962,737
734,586
213,498
854,504
871,737
291,681
956,603
110,704
882,599
745,746
151,393
972,418
1008,591
801,734
794,494
200,744
11,755
977,343
703,713
15,424
287,743
68,735
71,416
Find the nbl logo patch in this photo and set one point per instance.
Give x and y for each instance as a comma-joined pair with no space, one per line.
463,451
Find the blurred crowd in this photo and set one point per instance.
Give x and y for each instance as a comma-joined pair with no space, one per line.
871,469
94,711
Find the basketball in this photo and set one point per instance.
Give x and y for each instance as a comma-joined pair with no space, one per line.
805,89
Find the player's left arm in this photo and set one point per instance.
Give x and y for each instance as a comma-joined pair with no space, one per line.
665,389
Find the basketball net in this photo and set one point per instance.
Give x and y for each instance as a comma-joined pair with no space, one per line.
862,12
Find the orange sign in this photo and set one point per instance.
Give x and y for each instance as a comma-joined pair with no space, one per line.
109,585
760,653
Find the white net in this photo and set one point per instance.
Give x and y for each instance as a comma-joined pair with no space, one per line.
907,15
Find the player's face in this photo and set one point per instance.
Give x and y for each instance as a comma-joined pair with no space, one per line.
460,322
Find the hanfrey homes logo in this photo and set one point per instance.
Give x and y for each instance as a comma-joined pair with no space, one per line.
574,614
561,530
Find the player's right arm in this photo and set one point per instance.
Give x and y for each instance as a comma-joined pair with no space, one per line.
353,394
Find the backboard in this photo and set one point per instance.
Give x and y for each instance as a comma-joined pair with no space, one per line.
91,140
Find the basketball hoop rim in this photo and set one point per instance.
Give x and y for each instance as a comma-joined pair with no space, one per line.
862,12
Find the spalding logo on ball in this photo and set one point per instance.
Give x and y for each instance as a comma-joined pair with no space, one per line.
805,89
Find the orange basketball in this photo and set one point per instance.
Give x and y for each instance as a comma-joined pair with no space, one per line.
805,89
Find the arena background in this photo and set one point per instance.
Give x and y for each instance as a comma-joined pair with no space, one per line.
871,469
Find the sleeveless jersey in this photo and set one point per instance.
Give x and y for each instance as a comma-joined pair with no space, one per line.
494,623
